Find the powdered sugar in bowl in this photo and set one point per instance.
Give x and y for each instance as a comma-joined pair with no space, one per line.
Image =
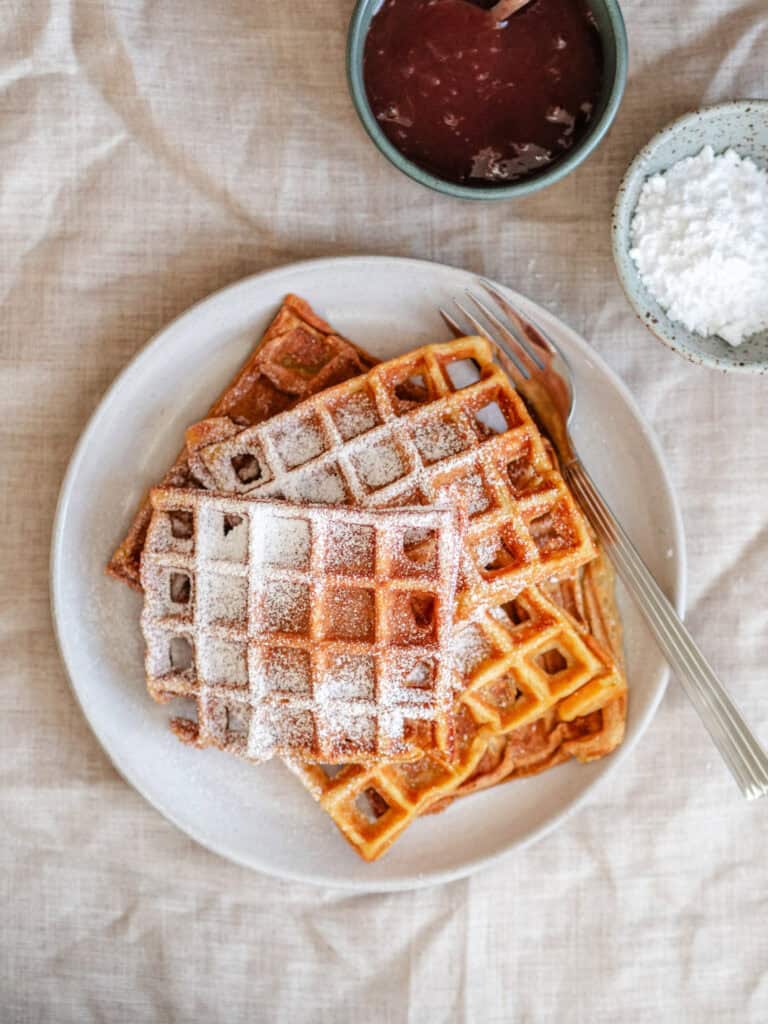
740,126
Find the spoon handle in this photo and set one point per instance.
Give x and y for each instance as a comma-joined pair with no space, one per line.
506,8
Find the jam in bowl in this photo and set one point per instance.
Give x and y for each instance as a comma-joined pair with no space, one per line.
485,108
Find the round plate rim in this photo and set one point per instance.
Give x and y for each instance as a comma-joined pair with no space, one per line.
422,879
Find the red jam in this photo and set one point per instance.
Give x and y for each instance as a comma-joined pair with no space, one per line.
480,102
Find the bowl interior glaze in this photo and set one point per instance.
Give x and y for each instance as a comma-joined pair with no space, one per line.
610,24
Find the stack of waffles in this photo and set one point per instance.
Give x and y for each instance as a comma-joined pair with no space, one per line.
377,573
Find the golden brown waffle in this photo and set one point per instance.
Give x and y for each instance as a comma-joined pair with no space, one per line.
515,662
298,355
571,708
441,424
301,630
553,738
373,804
276,377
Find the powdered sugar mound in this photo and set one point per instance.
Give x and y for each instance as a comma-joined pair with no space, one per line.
700,243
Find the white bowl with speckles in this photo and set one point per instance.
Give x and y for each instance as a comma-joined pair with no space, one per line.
741,125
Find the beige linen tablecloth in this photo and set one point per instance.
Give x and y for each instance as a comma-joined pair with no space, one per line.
153,151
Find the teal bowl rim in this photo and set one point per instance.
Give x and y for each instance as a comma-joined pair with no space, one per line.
358,29
622,215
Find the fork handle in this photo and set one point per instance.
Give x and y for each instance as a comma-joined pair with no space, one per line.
731,735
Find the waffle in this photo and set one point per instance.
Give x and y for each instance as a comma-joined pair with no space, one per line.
551,739
440,425
299,355
373,804
576,711
301,630
514,663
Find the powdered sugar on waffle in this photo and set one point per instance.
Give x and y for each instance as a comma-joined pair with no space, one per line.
308,624
287,542
403,435
469,649
356,416
299,446
379,465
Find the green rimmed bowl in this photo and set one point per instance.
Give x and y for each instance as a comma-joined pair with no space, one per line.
613,35
739,124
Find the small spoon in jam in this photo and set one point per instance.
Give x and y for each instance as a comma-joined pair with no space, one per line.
506,8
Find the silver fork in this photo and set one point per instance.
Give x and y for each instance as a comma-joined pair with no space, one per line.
541,373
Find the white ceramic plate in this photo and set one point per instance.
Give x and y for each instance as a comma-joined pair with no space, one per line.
261,816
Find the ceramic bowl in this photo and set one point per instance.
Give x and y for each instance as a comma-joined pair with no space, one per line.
610,23
741,125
